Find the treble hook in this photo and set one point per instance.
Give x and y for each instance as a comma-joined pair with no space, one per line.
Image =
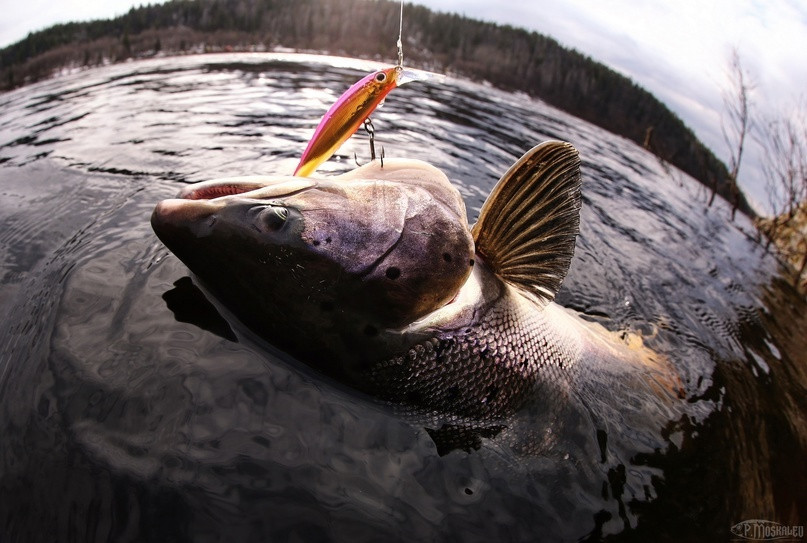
370,129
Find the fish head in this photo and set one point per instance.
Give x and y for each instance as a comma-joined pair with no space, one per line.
342,258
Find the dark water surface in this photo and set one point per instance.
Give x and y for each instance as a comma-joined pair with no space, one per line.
129,411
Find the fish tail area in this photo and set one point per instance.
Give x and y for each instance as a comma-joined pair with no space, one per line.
625,351
659,371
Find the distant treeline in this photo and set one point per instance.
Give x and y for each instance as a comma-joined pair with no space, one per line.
507,57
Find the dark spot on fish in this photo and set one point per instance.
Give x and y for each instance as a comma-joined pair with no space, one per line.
370,330
317,243
393,272
327,305
447,257
492,392
469,491
452,393
328,239
414,397
472,262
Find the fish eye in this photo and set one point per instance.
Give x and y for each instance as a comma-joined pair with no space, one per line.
274,217
380,77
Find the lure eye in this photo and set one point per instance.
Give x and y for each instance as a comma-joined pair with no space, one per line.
380,77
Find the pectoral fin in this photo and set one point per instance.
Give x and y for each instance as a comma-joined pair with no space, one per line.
527,227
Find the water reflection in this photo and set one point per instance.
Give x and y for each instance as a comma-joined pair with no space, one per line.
129,411
189,304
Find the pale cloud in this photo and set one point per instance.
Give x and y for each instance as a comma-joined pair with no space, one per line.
21,17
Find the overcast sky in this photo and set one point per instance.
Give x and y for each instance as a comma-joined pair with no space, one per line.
677,49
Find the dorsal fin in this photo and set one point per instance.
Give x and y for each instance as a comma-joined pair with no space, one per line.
527,227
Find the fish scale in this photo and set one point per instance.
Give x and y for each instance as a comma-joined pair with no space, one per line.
497,365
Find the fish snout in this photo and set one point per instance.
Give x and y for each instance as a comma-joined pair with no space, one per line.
175,221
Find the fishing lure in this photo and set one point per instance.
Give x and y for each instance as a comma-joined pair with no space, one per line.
348,113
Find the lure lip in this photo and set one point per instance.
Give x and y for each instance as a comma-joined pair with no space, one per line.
407,75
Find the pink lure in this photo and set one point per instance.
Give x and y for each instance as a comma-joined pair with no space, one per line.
348,113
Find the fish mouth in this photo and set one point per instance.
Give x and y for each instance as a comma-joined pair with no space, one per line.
200,201
263,187
211,190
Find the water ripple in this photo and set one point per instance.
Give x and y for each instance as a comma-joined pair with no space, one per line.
122,389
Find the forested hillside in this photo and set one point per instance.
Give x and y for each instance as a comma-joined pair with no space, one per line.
507,57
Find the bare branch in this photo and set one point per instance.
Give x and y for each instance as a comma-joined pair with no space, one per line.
784,166
736,122
784,160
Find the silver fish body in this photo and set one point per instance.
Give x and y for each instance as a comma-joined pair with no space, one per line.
485,362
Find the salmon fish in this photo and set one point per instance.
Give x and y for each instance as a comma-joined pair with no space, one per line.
375,278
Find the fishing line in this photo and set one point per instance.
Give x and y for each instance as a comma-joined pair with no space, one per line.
400,35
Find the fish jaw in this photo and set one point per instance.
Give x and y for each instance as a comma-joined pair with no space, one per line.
346,115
